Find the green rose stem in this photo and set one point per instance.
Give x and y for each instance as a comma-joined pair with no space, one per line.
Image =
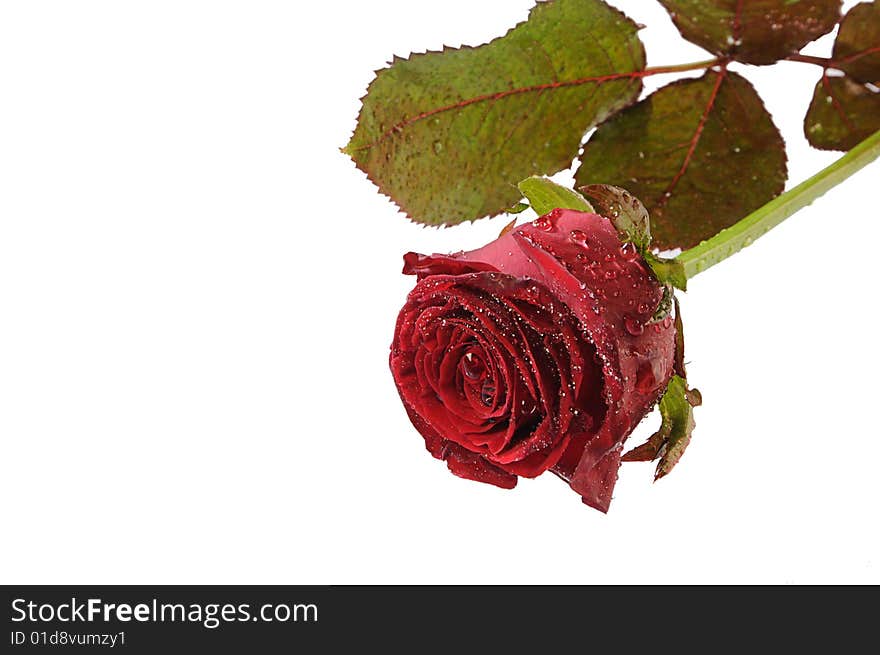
739,235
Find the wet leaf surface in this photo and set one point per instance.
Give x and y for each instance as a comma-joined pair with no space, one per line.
545,195
842,114
857,47
753,31
699,153
448,135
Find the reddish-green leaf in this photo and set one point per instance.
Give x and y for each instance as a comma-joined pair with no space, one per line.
857,47
753,31
699,153
448,135
843,113
846,110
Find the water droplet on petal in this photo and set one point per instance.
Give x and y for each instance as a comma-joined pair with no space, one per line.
473,367
487,394
544,223
634,326
580,237
628,251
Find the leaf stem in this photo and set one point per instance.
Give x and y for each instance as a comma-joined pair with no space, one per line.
825,62
739,235
809,59
680,68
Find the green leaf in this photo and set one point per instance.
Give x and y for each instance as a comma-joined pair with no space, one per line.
753,31
843,113
857,47
846,110
625,211
672,439
447,135
699,153
545,195
518,208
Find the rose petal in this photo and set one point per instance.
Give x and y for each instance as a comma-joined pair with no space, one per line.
471,466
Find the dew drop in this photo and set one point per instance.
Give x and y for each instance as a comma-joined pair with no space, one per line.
473,367
634,326
580,238
438,147
487,395
628,251
543,223
644,308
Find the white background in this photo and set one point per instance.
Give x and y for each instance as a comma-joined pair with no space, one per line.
198,291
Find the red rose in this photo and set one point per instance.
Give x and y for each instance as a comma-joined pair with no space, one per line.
535,352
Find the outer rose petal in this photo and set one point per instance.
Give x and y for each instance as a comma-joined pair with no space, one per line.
460,461
466,464
596,482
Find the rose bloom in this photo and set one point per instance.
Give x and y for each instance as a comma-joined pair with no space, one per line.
534,353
